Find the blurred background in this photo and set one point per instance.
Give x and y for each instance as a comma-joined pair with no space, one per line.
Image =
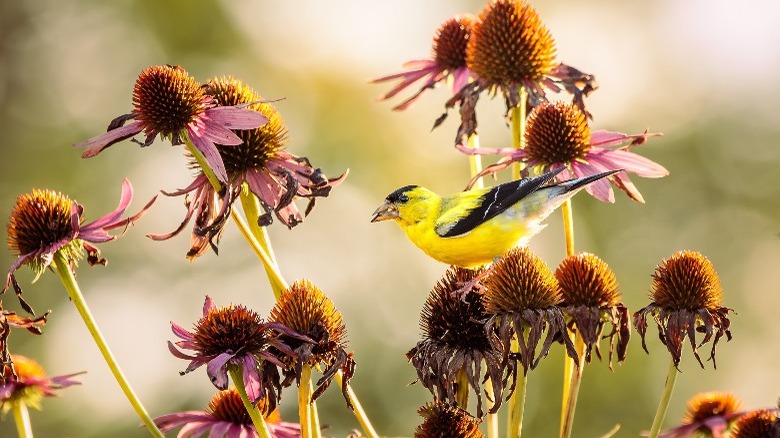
702,72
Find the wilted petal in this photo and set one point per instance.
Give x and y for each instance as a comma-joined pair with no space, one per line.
217,370
210,153
96,144
234,117
251,379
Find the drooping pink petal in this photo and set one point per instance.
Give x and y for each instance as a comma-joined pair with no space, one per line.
217,370
96,144
251,379
415,68
603,138
261,185
220,429
66,380
631,162
124,202
210,153
195,430
600,189
235,117
181,332
460,79
172,421
624,183
22,259
175,351
217,133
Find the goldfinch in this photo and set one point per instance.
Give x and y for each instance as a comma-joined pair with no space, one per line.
474,227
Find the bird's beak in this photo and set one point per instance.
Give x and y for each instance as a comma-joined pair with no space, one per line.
384,212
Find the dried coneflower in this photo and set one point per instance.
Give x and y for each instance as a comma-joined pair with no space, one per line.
9,319
445,420
304,308
455,343
273,175
511,49
591,298
449,61
709,413
687,298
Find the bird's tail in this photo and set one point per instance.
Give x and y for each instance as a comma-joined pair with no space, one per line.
578,183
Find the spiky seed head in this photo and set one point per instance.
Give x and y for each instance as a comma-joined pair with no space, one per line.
586,280
227,406
304,308
510,44
260,144
557,132
518,281
231,328
167,99
454,320
449,44
762,423
443,420
687,280
710,404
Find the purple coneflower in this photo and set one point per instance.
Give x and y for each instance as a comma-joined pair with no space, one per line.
30,384
171,103
275,176
45,222
225,416
449,61
236,336
709,413
558,135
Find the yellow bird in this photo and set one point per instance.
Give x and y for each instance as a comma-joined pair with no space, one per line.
474,227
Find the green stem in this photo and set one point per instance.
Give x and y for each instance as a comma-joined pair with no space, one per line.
22,419
68,279
304,401
492,419
275,277
316,430
574,388
462,389
251,206
475,161
568,362
236,375
518,116
516,408
671,377
357,409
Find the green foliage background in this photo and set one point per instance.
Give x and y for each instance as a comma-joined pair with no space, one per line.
702,72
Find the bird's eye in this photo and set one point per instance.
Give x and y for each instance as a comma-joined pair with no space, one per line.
403,198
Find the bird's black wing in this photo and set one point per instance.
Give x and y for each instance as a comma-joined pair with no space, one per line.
496,201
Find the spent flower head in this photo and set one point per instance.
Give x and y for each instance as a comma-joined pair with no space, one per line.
591,298
449,62
29,384
234,336
558,136
762,423
510,48
455,341
304,308
45,222
708,413
168,102
522,298
260,162
446,420
226,416
686,298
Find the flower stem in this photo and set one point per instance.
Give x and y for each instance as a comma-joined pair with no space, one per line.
671,377
568,362
236,374
516,408
304,401
574,388
462,391
492,419
517,400
518,116
316,430
475,161
277,281
69,281
22,419
360,414
251,208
